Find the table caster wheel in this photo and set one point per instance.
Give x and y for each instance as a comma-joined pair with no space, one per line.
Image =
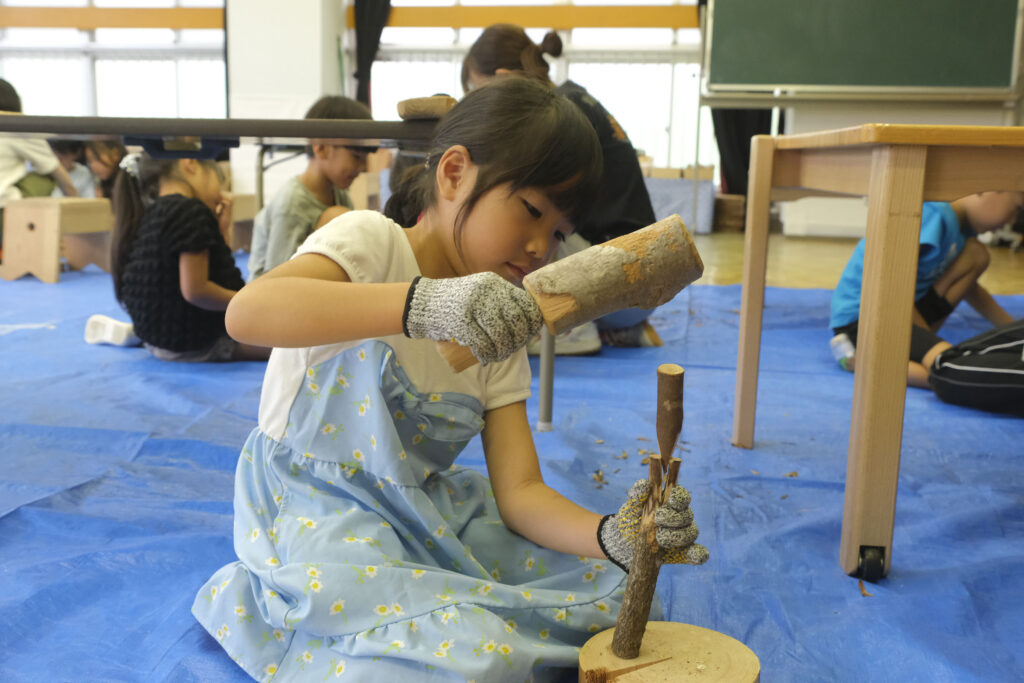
871,564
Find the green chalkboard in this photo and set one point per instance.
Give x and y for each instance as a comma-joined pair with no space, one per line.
952,44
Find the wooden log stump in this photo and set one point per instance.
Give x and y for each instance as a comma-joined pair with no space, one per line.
671,652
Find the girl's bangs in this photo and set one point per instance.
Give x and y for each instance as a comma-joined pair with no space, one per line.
559,154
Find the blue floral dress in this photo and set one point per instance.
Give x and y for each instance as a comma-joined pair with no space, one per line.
364,552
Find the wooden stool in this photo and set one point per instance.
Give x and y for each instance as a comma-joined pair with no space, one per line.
671,652
39,230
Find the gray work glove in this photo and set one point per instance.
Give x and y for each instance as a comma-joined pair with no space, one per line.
483,312
676,531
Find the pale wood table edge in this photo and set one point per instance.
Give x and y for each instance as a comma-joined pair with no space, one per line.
906,134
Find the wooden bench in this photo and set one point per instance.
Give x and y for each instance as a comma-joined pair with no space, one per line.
38,231
897,167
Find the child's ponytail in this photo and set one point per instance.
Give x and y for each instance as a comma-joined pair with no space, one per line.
137,184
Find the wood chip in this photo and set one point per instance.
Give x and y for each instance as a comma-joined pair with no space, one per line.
624,456
642,438
642,451
784,496
755,472
645,461
792,475
863,590
598,476
615,471
598,440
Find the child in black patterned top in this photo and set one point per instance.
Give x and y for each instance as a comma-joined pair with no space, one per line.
173,270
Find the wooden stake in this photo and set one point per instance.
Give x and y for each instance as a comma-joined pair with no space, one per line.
636,603
670,408
673,474
654,469
643,570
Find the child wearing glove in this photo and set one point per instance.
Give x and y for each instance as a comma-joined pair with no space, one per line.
363,550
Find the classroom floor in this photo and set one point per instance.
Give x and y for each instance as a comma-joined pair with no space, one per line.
116,475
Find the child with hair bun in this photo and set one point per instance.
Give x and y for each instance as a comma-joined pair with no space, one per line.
623,204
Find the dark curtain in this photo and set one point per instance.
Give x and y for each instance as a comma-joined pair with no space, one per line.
371,18
733,130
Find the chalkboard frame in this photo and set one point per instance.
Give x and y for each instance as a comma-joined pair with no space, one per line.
1010,91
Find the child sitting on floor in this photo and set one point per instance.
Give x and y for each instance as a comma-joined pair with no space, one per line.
172,268
623,204
362,549
71,153
950,261
103,157
309,200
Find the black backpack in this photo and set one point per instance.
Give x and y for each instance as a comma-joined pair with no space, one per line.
985,372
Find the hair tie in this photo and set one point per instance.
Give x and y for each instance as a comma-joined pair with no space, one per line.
130,164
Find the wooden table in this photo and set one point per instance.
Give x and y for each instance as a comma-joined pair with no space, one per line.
897,167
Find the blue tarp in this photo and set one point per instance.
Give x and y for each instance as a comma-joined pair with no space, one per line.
116,482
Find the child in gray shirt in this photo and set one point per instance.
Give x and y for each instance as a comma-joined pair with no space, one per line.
295,210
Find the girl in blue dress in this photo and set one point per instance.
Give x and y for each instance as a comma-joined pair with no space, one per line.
364,553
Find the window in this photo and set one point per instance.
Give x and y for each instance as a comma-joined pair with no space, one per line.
157,72
648,78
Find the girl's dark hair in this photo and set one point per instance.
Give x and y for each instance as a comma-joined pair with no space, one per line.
75,148
131,198
9,99
518,132
101,149
336,107
506,46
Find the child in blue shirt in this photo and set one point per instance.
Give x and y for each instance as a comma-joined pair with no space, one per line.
950,261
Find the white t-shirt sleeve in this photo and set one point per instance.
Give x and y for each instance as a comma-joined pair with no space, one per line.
508,381
363,243
38,153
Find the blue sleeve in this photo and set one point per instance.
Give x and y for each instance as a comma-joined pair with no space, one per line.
932,233
845,307
941,242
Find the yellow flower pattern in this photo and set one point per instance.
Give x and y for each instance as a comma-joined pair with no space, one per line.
365,508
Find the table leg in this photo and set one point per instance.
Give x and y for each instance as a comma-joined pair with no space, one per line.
755,259
545,402
883,341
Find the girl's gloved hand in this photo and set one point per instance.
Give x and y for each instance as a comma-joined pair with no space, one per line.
483,311
676,531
